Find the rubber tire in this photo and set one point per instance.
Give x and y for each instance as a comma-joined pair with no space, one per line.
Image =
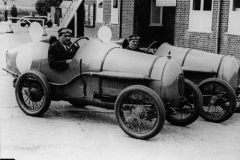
22,24
46,88
198,102
157,101
49,24
232,96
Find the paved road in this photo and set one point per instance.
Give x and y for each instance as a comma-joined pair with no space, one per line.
66,132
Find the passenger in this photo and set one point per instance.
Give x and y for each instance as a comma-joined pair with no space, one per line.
58,54
133,41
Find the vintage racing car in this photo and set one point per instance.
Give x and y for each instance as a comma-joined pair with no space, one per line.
142,89
216,75
27,20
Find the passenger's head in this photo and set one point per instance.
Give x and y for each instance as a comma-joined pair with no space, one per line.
64,35
133,41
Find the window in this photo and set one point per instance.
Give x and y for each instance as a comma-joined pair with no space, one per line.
196,5
99,16
115,3
200,17
207,5
236,5
89,15
234,14
156,14
114,12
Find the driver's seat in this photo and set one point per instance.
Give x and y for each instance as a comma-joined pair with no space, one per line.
125,43
52,39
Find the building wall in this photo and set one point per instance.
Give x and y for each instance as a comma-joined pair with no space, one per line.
227,44
184,38
134,18
106,21
127,18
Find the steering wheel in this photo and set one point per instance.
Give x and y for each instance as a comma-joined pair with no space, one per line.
75,45
155,44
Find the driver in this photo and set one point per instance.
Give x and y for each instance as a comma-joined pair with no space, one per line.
58,53
133,43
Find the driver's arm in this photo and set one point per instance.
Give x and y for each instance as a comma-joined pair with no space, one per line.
72,52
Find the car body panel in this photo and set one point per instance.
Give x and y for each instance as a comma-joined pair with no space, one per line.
100,69
225,67
26,20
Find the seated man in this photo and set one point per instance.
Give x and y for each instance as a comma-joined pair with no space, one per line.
58,54
133,43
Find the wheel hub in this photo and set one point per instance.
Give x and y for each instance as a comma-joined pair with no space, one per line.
35,94
213,100
139,112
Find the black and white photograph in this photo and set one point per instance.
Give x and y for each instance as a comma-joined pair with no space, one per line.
119,79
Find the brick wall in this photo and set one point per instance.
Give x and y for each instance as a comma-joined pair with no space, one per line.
127,18
228,44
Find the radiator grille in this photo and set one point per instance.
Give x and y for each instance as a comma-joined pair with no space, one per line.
121,84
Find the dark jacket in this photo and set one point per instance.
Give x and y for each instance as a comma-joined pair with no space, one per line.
137,49
57,56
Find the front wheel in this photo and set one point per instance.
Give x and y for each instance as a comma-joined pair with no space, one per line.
219,100
140,112
188,110
33,93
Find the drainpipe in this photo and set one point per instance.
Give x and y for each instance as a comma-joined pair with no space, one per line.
218,27
120,19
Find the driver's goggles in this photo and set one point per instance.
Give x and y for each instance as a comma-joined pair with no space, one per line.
66,31
134,38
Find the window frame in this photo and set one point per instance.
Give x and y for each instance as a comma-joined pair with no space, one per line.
203,22
151,14
233,25
90,15
99,11
114,13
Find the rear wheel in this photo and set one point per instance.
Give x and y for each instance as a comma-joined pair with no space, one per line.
189,108
140,112
219,100
33,93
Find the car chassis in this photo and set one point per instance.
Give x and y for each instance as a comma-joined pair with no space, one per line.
143,89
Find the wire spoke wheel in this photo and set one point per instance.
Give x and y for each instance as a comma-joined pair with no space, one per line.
216,100
33,93
189,108
140,112
219,101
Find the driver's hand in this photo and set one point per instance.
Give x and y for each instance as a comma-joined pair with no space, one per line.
69,60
